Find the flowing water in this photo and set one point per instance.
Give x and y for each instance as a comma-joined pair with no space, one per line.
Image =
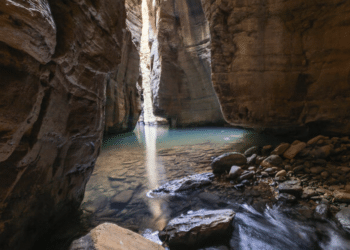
131,164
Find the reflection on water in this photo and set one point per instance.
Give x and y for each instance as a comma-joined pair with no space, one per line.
153,168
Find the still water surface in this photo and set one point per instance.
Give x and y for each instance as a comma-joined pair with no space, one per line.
132,164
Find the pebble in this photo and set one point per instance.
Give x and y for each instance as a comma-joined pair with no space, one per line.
281,173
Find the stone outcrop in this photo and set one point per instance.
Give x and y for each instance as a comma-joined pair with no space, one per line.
180,63
282,65
108,236
56,58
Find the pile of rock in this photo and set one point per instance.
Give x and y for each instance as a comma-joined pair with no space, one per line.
318,169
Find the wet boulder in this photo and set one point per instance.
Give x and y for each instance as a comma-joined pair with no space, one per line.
197,228
187,183
224,162
343,217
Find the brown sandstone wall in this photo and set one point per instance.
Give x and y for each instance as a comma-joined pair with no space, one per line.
282,64
56,58
180,63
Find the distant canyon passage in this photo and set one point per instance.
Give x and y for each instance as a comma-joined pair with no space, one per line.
69,72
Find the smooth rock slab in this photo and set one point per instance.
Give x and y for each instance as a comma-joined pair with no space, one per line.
224,162
108,236
343,217
187,183
198,227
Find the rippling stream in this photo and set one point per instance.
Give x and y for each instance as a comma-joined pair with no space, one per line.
132,164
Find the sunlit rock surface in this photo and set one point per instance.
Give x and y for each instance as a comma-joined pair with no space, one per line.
282,65
108,236
56,58
180,63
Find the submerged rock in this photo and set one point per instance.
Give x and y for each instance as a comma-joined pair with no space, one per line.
109,236
187,183
224,162
198,227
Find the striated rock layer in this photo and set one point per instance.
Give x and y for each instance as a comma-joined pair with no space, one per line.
180,63
282,64
56,58
123,104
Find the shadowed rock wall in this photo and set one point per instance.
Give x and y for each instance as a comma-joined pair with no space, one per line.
180,63
56,58
280,64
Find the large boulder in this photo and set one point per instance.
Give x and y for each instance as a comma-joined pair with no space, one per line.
108,236
197,228
224,162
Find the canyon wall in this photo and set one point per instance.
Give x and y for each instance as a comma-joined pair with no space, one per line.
56,59
123,104
180,63
280,64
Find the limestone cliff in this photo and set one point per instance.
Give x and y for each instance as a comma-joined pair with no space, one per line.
282,64
56,58
180,63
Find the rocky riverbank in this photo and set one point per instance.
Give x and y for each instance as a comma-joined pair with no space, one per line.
311,177
306,180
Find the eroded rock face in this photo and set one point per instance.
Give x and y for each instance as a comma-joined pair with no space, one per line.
180,64
123,104
56,58
282,64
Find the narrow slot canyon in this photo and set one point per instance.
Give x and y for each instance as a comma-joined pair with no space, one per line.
174,124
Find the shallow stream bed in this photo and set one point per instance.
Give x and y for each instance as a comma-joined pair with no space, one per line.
132,164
